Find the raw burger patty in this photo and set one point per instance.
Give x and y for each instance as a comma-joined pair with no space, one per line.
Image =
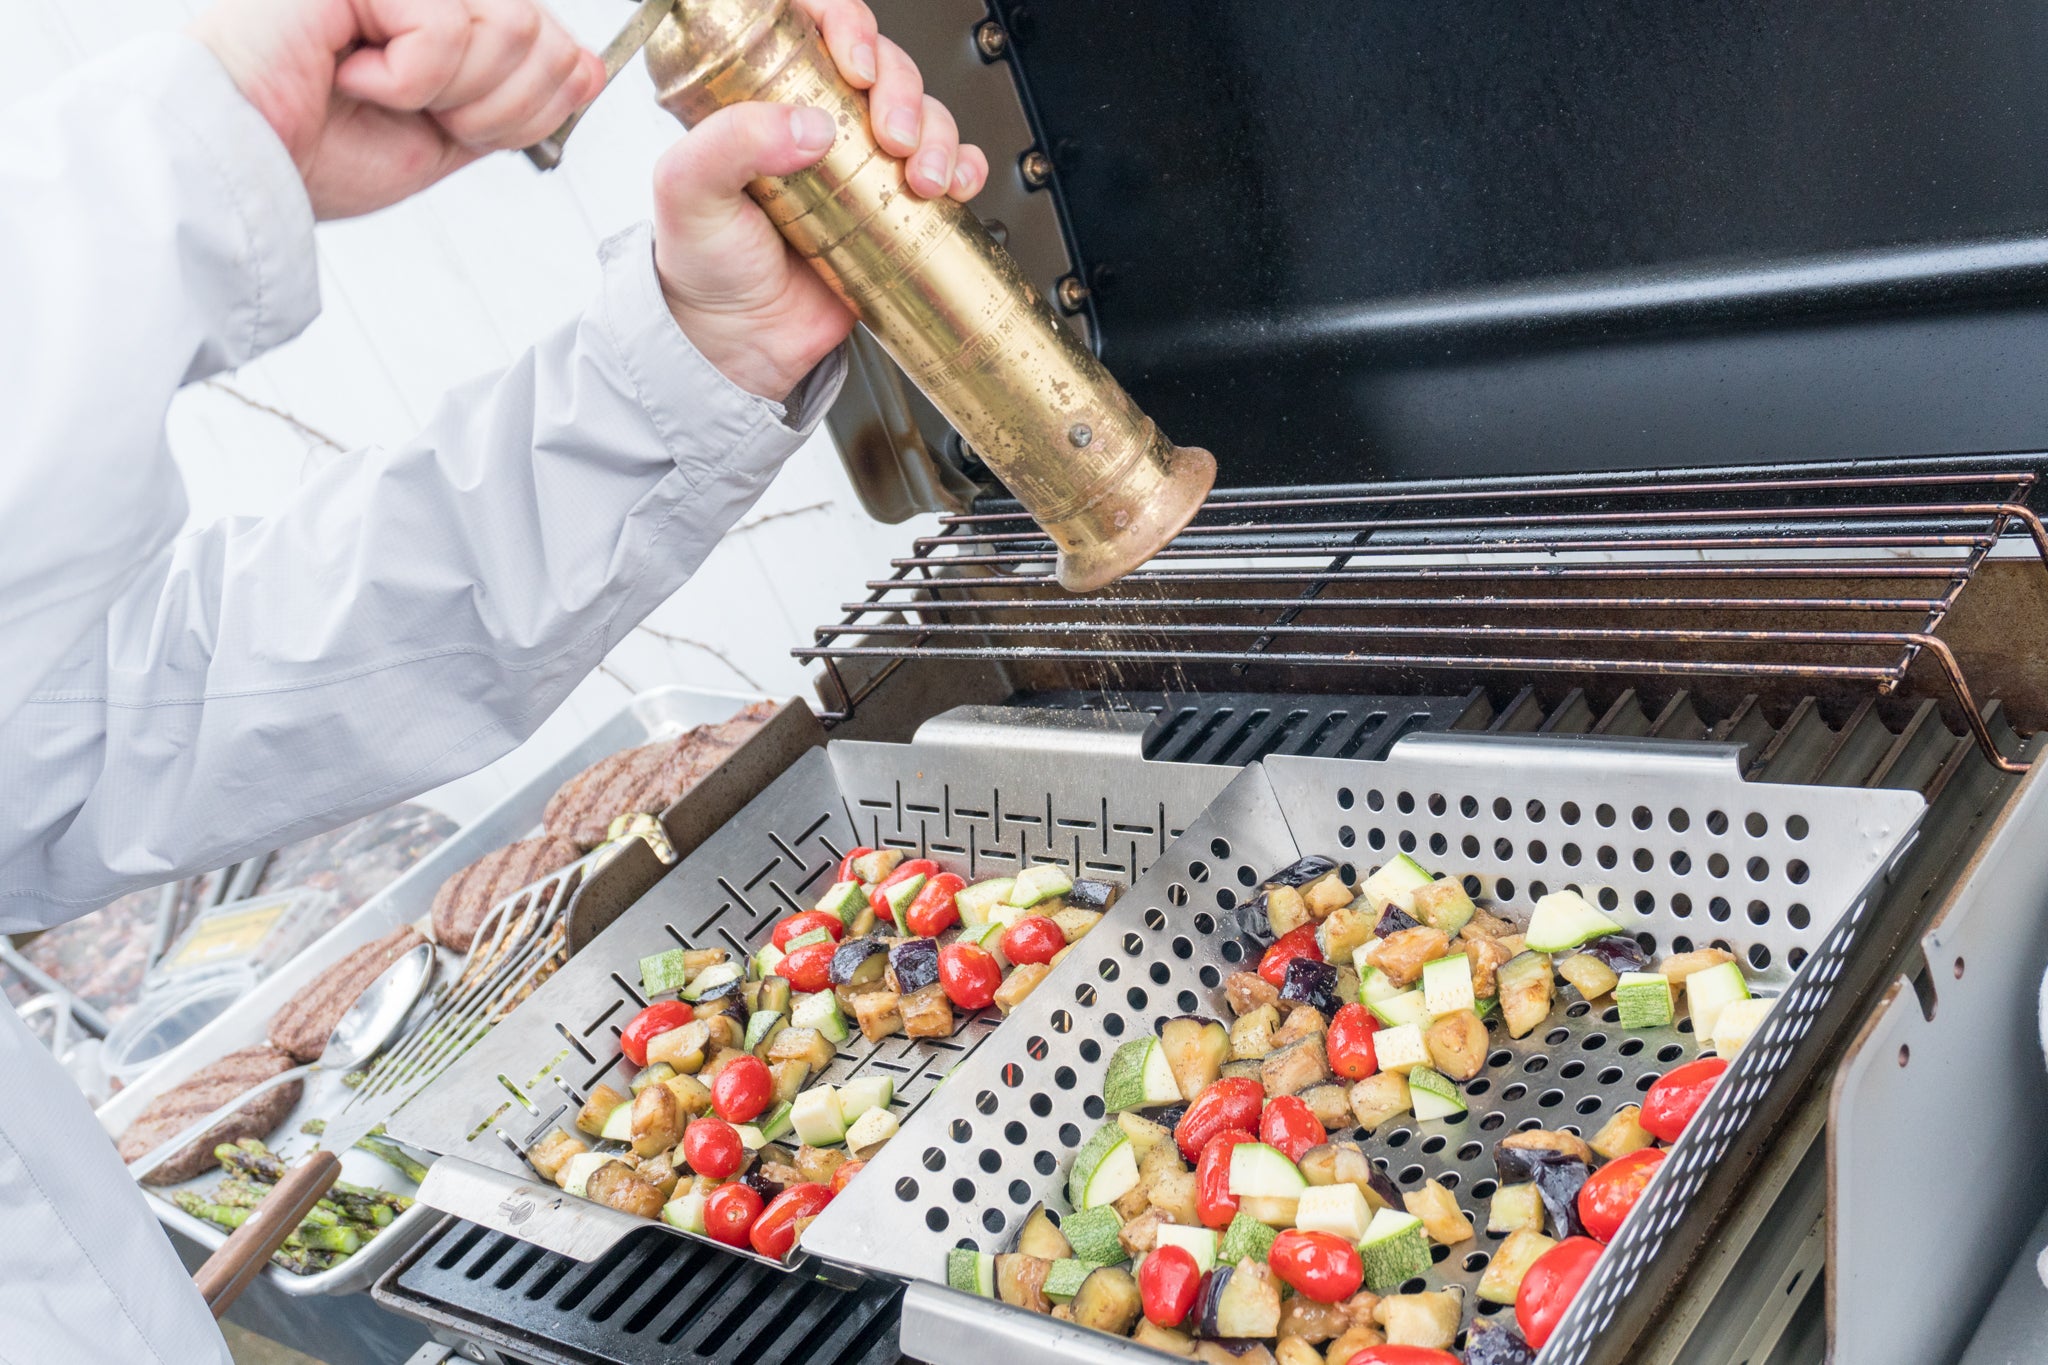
302,1026
204,1091
648,779
465,898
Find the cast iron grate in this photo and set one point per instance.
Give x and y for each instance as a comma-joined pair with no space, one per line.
1237,728
650,1300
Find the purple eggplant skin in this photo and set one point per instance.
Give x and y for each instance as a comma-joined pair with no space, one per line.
1244,1346
1492,1344
1254,922
1558,1178
1383,1187
1620,952
1301,873
915,962
848,957
1171,1118
1209,1299
1312,983
1092,895
1393,921
731,988
1515,1165
762,1185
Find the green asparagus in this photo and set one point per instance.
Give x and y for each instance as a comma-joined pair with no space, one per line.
391,1154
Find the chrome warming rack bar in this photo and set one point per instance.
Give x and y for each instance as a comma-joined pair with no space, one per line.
1735,577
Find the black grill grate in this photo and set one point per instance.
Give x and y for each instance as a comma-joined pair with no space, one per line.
652,1300
1241,728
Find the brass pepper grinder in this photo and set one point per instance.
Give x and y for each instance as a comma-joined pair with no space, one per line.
947,302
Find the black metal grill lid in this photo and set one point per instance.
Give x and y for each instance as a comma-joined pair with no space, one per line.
1381,239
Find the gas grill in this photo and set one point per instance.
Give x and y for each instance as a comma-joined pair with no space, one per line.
1758,677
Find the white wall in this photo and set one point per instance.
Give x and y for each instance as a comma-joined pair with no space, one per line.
457,282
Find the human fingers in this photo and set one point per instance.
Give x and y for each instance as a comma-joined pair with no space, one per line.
896,103
413,48
930,170
554,77
701,181
850,36
970,173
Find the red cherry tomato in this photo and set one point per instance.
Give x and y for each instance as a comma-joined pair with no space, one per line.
846,872
1215,1205
1348,1041
1396,1355
1033,939
1292,1126
712,1147
932,911
1167,1283
809,968
742,1089
1319,1265
844,1174
1232,1102
730,1213
774,1232
1295,943
649,1024
1606,1199
798,925
878,899
970,974
1550,1285
1678,1095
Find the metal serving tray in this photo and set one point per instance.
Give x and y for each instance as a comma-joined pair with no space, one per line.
984,789
651,715
1668,836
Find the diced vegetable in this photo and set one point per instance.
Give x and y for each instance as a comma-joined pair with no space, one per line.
820,1011
1285,910
1337,1209
553,1152
1108,1301
1257,1169
1295,1067
844,901
865,1136
1738,1023
574,1175
1525,993
1400,1048
1039,882
1020,983
1447,985
1433,1095
1516,1207
970,1272
1139,1076
1679,966
1409,1007
1441,1217
1063,1280
1347,929
1457,1045
863,1093
1095,1234
687,1212
711,978
1711,990
1104,1169
928,1012
1428,1320
1380,1097
1402,953
1245,1239
976,901
1312,983
1592,977
879,1014
1196,1049
1644,999
1395,884
1395,1249
1442,905
817,1117
802,1045
1251,1036
1622,1134
1565,919
1020,1282
1241,1301
1199,1243
663,972
859,962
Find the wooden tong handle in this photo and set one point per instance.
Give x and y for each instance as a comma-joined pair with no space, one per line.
247,1250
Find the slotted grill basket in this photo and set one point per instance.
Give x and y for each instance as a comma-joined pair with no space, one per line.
1669,838
985,790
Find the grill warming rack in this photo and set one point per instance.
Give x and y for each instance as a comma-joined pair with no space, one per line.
1671,837
1759,576
986,789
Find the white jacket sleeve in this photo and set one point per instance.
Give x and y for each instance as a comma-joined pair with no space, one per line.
412,613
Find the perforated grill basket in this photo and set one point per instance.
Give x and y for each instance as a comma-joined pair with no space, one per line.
1669,839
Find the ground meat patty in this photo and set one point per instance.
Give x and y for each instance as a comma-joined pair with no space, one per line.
302,1026
465,898
648,779
199,1095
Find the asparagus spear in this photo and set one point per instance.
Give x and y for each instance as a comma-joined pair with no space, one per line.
251,1158
229,1216
377,1145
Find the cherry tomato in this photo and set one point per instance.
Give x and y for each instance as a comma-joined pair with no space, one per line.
1606,1199
846,872
798,925
774,1232
742,1089
932,911
1232,1102
1167,1283
1397,1355
1319,1265
1215,1205
1292,1126
1033,939
878,899
1678,1095
1349,1043
970,974
730,1213
1295,943
649,1024
712,1147
1551,1284
809,968
845,1173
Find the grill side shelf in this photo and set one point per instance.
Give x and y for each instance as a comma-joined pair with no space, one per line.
1607,818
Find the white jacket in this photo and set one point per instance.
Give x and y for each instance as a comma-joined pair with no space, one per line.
173,703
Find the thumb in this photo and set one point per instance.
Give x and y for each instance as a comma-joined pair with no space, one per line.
700,180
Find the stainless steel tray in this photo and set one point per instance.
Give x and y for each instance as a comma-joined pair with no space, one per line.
1669,836
983,789
652,715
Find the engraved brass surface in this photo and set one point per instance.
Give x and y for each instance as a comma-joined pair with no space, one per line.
945,300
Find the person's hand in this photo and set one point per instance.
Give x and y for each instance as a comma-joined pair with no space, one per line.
742,297
377,99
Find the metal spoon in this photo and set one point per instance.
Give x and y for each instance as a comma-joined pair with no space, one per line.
360,1034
